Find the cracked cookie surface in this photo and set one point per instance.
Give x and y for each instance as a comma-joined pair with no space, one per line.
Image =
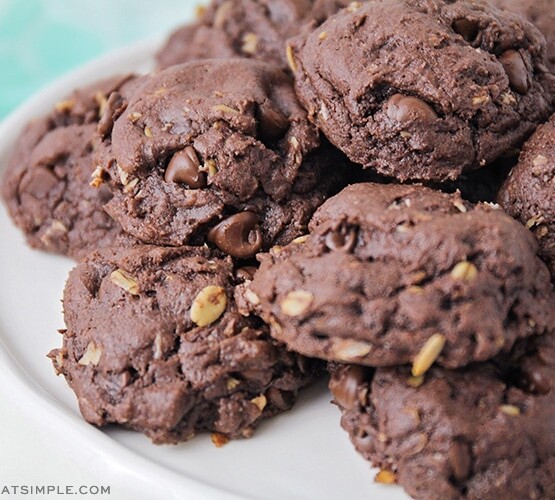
482,432
423,89
155,342
394,274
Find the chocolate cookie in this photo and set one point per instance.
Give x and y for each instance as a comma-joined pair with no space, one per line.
395,274
529,192
256,29
483,432
154,342
47,184
540,13
216,149
423,89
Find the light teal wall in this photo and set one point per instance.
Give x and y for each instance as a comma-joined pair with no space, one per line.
42,39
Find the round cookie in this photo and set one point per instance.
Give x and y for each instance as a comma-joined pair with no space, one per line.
482,432
529,192
541,13
256,29
394,274
423,89
47,184
217,150
154,342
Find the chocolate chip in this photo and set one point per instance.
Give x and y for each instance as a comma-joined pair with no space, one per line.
183,168
282,400
342,239
516,70
534,380
115,106
272,123
345,385
245,273
238,235
460,459
467,29
402,108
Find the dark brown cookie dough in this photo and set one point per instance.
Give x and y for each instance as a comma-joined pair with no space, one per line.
395,274
256,29
220,141
47,184
423,89
481,433
540,13
154,342
529,192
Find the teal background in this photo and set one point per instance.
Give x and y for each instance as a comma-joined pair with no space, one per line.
42,39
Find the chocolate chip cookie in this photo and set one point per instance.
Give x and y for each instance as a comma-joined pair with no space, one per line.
540,13
47,184
423,89
256,29
155,342
216,150
394,274
529,192
482,432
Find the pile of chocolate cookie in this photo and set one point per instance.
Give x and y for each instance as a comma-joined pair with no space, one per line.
301,186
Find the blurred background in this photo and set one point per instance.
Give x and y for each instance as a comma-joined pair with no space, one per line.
42,39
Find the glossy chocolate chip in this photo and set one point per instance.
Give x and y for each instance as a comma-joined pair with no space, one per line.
342,239
183,168
272,122
467,29
402,108
115,106
460,459
345,385
238,235
516,70
245,273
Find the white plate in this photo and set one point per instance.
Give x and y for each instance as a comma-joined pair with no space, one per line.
303,454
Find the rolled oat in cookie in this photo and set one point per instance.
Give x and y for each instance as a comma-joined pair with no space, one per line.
529,192
155,343
394,274
217,151
51,186
482,432
423,89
